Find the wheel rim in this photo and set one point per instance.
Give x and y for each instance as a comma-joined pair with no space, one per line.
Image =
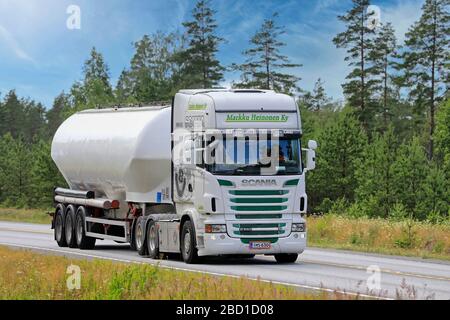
187,243
138,236
69,228
152,236
79,229
58,227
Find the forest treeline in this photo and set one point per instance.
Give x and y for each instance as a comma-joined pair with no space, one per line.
384,152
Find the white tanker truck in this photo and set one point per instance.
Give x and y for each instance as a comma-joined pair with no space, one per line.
219,172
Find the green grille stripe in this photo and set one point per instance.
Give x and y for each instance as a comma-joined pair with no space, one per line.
259,216
225,183
259,225
258,208
258,192
291,183
247,240
259,200
258,233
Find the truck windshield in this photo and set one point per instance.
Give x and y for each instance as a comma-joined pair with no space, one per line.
248,157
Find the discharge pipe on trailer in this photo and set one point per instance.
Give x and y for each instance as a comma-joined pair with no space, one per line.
75,193
96,203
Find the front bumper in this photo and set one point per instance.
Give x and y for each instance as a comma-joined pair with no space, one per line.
221,243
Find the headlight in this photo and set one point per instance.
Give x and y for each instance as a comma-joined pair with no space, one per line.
215,228
298,227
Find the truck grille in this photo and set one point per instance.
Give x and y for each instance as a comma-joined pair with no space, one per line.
258,214
258,200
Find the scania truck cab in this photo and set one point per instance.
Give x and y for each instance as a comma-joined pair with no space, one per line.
219,172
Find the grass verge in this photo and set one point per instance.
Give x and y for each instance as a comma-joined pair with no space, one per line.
405,238
29,275
25,215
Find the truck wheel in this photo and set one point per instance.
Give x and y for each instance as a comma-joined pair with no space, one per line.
69,227
140,244
286,257
152,240
188,247
83,242
60,236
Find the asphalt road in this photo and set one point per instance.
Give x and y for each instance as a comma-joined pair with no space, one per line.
316,269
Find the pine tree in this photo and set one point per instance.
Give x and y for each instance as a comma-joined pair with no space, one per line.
442,158
123,92
141,75
56,115
33,124
12,114
14,170
152,70
426,60
357,39
95,90
436,188
381,57
264,62
442,136
374,174
201,68
341,145
44,176
4,147
317,99
95,68
409,171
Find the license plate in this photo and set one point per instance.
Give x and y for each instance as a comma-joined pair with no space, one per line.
260,245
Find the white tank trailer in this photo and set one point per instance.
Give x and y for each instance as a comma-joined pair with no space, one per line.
124,186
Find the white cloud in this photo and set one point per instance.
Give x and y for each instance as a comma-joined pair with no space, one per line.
10,42
402,15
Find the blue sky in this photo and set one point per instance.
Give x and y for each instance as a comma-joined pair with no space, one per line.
40,57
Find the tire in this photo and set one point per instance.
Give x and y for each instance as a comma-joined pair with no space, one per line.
286,257
83,241
140,237
60,236
188,243
152,240
69,226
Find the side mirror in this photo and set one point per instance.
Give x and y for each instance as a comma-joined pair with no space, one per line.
312,144
310,160
311,155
